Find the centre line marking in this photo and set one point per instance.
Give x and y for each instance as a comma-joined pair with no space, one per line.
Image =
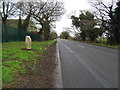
68,48
80,46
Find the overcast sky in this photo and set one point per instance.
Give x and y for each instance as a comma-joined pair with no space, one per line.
71,6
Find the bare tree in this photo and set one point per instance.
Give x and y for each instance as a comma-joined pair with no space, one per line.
7,9
107,16
25,9
48,12
104,12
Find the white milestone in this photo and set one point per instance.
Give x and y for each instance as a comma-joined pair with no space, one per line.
28,42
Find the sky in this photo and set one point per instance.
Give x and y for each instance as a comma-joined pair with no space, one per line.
72,7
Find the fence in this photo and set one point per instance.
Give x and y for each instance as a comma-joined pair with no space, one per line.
14,34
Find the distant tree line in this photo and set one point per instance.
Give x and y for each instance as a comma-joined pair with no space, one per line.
43,13
64,35
106,19
85,25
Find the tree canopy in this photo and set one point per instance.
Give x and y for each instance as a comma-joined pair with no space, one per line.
107,14
64,35
85,24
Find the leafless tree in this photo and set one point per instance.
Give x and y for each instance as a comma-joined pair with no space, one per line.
25,9
49,10
46,13
7,9
104,12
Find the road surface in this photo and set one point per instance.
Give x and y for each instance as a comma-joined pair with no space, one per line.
87,66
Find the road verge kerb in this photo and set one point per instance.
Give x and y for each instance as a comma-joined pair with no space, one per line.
58,81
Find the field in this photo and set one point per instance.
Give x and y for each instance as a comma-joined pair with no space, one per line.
18,61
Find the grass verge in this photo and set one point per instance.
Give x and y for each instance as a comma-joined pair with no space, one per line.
17,61
105,45
101,44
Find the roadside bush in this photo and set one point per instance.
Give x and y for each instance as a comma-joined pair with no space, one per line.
102,40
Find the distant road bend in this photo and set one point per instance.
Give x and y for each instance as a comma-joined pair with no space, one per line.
88,66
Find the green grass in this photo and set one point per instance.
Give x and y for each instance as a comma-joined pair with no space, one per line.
109,46
103,45
15,60
102,40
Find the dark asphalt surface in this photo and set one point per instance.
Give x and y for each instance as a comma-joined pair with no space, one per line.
88,66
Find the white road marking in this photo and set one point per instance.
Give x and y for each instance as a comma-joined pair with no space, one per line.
103,81
58,77
80,46
68,48
97,76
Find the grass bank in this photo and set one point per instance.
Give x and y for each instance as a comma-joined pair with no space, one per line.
101,44
105,45
18,61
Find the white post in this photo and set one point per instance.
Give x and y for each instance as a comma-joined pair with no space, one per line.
28,42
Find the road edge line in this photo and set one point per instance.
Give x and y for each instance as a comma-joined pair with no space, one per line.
58,76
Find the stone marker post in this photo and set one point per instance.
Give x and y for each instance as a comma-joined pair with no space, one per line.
28,42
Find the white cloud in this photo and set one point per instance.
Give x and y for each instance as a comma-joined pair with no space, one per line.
71,6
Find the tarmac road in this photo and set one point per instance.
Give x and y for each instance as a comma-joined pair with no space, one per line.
88,66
